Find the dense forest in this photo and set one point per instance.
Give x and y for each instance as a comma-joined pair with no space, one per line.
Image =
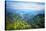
16,22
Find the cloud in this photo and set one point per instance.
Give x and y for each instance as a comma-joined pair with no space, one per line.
28,0
28,5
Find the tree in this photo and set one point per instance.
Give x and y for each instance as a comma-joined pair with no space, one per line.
17,24
21,25
38,21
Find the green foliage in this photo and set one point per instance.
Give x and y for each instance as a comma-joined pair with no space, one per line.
8,23
21,25
38,22
17,24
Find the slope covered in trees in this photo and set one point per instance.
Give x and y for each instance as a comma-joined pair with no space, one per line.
15,21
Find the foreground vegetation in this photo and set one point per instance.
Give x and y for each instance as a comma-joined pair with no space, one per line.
15,22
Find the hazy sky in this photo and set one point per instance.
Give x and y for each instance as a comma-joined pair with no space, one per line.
27,0
26,5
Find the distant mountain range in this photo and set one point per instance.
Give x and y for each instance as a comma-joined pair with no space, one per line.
26,15
23,12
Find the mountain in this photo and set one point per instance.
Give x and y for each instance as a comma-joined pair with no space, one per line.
24,14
